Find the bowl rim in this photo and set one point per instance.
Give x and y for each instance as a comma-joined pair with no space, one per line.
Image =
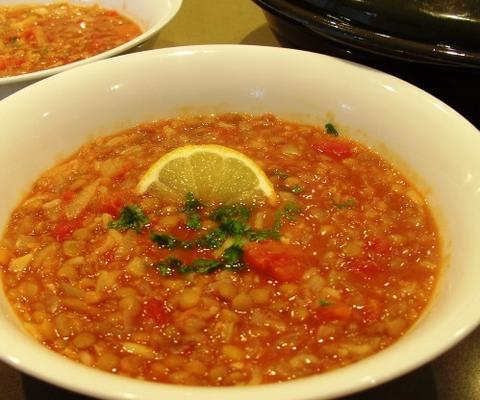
174,7
151,390
386,45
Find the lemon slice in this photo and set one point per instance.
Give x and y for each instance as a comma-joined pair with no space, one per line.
212,173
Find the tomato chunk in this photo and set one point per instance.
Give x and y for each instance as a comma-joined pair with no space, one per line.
334,312
68,195
155,309
112,206
379,246
333,148
64,228
279,261
365,269
371,312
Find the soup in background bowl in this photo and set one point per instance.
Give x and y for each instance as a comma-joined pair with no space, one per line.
406,126
37,36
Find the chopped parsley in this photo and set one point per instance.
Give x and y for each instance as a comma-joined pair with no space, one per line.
331,130
279,173
201,266
131,217
226,214
168,266
264,234
232,223
212,240
191,208
324,303
297,189
288,213
168,242
349,203
232,257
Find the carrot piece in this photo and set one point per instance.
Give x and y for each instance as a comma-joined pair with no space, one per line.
277,260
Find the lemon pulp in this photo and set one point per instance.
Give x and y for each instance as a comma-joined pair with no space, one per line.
212,173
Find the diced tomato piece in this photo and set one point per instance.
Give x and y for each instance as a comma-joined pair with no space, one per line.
3,64
112,206
28,35
333,148
120,174
277,260
379,246
334,312
156,310
10,62
64,228
108,256
366,269
68,195
110,13
371,311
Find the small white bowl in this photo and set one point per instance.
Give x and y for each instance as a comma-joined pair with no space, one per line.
41,123
151,15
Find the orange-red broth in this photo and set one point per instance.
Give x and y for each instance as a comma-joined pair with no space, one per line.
352,272
37,37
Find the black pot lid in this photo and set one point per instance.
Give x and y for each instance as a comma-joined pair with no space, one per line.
455,22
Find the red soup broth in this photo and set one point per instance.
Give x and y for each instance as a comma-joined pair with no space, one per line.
38,37
338,270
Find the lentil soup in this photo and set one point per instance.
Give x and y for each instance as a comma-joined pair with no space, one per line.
34,38
221,294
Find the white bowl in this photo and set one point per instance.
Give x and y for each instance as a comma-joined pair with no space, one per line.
40,123
151,15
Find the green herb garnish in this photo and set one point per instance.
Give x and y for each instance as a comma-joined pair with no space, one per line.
193,221
168,266
297,189
331,130
201,266
212,240
346,204
264,234
131,217
279,173
232,257
288,213
225,214
165,241
324,303
191,207
232,223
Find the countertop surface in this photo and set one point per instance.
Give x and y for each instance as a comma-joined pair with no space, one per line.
453,376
